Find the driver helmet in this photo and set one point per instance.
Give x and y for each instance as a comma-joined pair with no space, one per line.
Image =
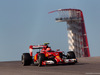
48,49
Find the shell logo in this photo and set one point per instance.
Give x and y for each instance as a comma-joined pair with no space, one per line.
58,57
46,55
35,57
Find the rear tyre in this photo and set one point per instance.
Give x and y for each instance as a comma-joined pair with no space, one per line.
71,55
41,57
26,59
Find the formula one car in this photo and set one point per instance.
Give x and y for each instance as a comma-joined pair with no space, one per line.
47,56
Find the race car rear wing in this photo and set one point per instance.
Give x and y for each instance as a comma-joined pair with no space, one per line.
37,46
31,47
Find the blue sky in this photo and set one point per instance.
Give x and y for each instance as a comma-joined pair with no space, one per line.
27,22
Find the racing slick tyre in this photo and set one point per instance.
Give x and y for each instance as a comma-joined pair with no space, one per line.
26,59
71,55
41,57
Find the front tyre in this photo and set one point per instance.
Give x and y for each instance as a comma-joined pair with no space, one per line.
41,57
26,59
71,55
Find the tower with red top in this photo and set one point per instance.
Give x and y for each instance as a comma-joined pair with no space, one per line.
77,36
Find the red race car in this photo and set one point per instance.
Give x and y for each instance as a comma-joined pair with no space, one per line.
47,56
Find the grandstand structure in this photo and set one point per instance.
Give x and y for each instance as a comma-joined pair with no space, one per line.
77,36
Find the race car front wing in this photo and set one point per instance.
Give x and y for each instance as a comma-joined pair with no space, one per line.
66,61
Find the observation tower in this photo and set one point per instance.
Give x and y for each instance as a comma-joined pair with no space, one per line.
77,36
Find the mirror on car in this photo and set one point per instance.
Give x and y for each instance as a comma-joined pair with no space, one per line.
57,49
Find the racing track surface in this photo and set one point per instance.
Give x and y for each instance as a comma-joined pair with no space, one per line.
86,66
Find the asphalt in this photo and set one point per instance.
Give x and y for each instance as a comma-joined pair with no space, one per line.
85,66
